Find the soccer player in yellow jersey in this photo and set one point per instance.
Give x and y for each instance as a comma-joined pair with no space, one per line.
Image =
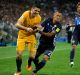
26,35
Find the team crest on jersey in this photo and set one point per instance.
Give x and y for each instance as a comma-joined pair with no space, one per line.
57,30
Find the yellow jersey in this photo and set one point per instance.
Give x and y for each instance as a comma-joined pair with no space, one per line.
28,22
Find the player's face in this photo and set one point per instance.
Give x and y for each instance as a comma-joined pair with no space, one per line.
57,17
78,9
35,11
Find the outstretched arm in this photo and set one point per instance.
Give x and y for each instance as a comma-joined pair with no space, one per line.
50,34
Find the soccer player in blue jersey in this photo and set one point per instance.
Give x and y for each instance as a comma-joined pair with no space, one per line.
76,35
52,26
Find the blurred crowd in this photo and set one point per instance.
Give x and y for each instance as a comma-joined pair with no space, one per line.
11,10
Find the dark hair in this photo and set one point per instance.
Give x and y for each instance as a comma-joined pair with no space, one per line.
33,6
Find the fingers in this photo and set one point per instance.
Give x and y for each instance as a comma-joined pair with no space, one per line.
29,29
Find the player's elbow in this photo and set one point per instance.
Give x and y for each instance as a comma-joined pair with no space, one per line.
17,25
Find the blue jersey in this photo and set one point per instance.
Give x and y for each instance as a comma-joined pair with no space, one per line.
77,20
76,33
49,26
77,24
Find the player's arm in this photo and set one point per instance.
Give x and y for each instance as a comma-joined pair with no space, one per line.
50,34
19,25
20,22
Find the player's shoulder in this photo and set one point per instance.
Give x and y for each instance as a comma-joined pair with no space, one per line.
27,11
48,19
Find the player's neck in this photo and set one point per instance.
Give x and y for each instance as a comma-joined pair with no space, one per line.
31,15
54,21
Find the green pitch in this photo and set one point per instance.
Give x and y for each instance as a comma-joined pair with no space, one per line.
58,64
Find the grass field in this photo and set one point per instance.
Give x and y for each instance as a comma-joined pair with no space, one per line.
58,64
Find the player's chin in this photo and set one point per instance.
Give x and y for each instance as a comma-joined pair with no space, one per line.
36,13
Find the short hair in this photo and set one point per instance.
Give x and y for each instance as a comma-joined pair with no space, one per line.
35,6
58,13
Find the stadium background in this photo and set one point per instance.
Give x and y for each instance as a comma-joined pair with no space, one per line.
10,11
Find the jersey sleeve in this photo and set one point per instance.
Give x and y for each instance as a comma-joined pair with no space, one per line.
22,18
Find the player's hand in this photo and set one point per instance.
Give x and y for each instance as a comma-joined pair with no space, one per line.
39,27
29,29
